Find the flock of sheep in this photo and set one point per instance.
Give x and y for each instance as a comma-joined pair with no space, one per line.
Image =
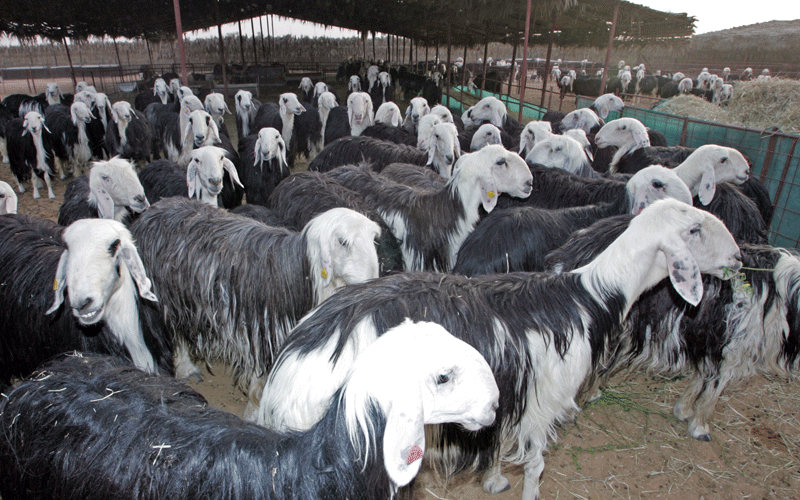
465,272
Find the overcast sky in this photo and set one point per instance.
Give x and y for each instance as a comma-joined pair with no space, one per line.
715,16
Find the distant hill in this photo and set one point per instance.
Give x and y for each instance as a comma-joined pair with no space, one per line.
773,41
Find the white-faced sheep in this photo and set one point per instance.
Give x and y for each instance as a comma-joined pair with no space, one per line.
729,336
543,335
387,126
281,117
8,199
131,135
417,108
319,89
246,109
433,224
75,289
262,164
307,89
111,190
564,152
143,99
585,119
533,133
519,238
170,122
359,112
580,136
30,152
200,130
216,106
354,84
484,135
382,90
70,141
126,427
492,110
390,114
206,306
442,151
55,96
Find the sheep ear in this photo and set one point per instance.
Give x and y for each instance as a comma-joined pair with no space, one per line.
326,272
431,155
60,282
114,115
641,199
350,116
11,203
370,112
497,117
105,204
603,111
191,179
136,268
684,272
641,138
282,154
231,168
408,112
488,193
227,108
214,131
187,131
257,154
283,107
525,142
708,185
25,126
404,441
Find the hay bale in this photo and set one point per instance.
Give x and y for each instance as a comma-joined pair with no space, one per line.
757,104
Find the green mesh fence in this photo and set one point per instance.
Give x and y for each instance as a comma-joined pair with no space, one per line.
530,111
774,157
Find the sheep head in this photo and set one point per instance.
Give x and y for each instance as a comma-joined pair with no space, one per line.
289,104
625,133
114,186
496,171
607,103
160,89
388,113
655,183
215,104
489,109
559,151
320,88
327,100
205,171
53,93
244,101
359,111
201,129
533,133
305,84
417,108
425,130
8,199
485,135
584,119
269,145
443,113
80,113
33,123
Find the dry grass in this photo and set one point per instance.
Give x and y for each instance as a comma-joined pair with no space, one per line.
758,104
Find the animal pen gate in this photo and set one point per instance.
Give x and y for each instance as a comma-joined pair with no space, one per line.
774,155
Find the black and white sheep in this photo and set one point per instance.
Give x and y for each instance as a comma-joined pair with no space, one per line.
519,238
70,140
281,117
30,152
382,90
143,99
119,430
75,289
533,133
729,336
216,106
8,199
5,117
21,104
307,89
543,335
484,135
563,152
432,224
246,109
131,135
417,108
492,110
389,113
606,104
262,164
111,190
207,265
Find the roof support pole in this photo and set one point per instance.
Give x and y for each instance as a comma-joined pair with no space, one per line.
388,48
426,60
272,37
448,73
149,53
255,51
69,58
119,60
546,76
608,50
463,76
263,43
485,57
221,48
374,56
513,67
523,83
176,4
241,42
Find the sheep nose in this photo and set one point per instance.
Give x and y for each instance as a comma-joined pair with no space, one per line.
215,181
199,137
415,116
449,159
138,198
86,304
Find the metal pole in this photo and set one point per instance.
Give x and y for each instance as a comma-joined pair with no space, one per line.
449,65
176,4
119,61
69,58
513,66
608,50
241,42
255,52
221,48
485,57
549,53
524,77
263,44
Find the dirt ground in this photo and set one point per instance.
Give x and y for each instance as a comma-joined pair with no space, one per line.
627,445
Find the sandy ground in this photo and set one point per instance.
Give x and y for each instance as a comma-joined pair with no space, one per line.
626,445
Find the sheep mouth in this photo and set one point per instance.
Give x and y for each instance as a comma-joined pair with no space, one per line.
89,317
199,143
476,425
214,191
138,207
742,178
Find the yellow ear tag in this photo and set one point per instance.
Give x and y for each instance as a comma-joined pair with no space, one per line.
491,194
55,285
324,274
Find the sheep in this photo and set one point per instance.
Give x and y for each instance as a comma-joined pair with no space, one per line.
170,123
111,190
442,151
205,307
75,288
732,332
389,113
564,152
281,117
319,89
533,133
685,86
163,179
259,213
216,106
444,113
30,152
580,136
131,136
585,119
133,426
387,126
246,109
200,130
417,108
70,141
543,335
143,99
519,238
307,88
432,243
485,134
5,117
606,104
354,84
382,91
54,95
8,199
359,112
21,104
304,195
492,110
263,164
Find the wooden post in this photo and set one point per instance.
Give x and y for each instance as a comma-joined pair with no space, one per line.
255,51
263,44
69,58
176,4
463,76
546,77
485,57
523,83
221,48
119,61
241,42
449,65
150,54
608,50
513,66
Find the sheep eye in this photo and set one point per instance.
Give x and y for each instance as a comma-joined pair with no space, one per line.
190,120
658,184
239,98
443,378
285,100
695,230
501,161
723,160
342,242
112,249
624,127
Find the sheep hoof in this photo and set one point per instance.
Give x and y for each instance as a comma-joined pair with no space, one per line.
703,437
699,432
497,484
596,396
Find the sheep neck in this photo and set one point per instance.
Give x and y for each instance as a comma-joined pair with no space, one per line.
122,318
41,155
690,173
623,150
122,127
464,186
288,125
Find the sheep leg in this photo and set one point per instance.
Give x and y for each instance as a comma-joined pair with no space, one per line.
533,470
184,367
706,404
21,187
50,193
4,149
37,183
255,389
60,167
684,408
493,481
